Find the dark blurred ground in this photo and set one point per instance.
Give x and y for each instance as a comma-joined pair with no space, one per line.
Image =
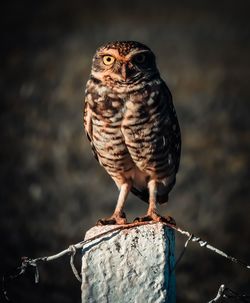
52,190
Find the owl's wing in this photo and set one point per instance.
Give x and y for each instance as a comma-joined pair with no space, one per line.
170,134
87,120
175,134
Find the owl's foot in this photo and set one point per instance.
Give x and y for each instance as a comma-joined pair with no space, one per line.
156,218
118,219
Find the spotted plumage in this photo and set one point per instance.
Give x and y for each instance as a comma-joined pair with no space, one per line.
132,125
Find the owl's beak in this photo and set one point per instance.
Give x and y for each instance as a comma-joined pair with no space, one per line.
125,71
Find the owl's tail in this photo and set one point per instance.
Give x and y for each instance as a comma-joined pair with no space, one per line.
162,198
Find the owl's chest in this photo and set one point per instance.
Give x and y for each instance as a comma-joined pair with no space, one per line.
122,114
132,115
106,120
140,120
118,120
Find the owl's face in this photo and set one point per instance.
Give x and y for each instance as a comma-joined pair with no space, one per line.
123,62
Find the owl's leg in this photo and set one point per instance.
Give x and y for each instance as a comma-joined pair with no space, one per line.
152,187
118,216
152,214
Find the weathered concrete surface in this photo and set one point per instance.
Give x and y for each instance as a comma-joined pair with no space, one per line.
129,266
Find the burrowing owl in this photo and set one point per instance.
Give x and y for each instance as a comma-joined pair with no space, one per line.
132,125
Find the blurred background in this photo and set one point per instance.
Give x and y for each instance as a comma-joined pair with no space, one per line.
53,190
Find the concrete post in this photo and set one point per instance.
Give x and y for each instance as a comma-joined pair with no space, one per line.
129,266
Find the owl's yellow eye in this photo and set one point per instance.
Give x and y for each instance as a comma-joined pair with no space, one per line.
140,58
108,60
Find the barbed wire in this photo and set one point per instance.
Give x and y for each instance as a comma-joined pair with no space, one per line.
227,293
223,291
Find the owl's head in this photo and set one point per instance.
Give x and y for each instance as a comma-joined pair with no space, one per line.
123,62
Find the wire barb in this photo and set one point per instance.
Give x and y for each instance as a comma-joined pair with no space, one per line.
227,293
219,294
75,272
20,271
182,253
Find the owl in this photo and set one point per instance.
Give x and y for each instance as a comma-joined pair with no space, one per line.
131,123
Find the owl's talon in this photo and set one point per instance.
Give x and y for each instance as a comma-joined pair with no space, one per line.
156,218
106,222
114,220
143,219
168,220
